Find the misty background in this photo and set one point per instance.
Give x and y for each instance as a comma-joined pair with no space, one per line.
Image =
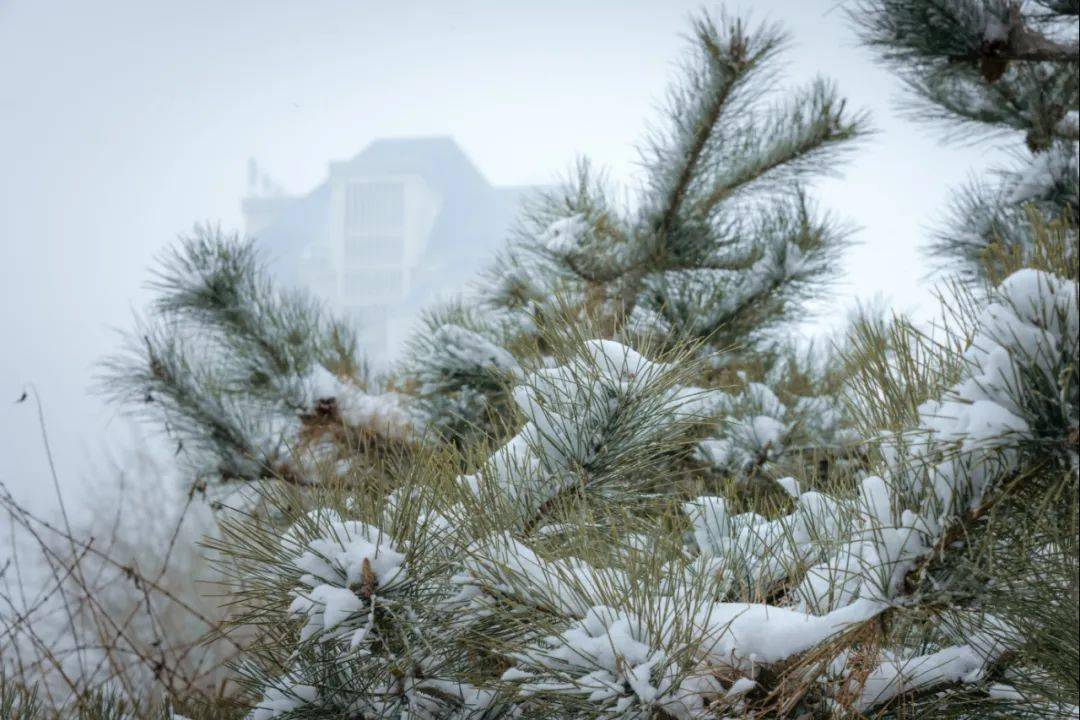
123,123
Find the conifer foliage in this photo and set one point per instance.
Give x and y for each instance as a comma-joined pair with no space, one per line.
999,67
719,246
248,379
721,239
607,489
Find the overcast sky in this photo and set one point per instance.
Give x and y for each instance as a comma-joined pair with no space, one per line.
123,123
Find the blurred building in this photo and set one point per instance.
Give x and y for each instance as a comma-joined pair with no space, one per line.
387,233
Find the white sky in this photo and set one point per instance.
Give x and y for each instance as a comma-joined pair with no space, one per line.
123,123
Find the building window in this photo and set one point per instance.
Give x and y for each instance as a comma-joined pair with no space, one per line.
374,223
375,207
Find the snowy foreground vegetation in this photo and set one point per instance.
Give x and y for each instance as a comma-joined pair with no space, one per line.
607,486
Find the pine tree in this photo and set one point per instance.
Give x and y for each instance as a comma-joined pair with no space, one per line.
555,510
849,599
719,248
992,68
250,381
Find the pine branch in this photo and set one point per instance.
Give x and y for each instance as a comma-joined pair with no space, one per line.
728,58
793,141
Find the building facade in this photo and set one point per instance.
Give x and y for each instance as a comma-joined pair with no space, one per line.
389,232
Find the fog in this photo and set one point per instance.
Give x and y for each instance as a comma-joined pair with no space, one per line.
123,123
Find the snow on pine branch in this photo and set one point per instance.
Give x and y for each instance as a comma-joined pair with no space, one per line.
386,414
455,351
610,659
1047,174
983,67
584,420
858,549
629,638
566,236
374,642
757,429
679,259
965,441
343,574
461,374
897,674
668,653
740,282
986,35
